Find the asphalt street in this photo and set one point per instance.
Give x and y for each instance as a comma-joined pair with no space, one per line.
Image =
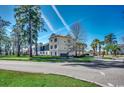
109,73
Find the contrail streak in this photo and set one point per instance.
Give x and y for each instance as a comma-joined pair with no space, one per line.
48,23
61,18
60,29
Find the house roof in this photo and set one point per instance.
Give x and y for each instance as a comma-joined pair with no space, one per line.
60,36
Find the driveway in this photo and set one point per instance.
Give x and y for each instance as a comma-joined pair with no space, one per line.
110,73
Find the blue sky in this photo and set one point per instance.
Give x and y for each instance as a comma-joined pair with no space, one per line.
95,21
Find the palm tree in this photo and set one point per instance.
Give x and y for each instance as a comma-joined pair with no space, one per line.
100,46
106,48
95,44
114,49
80,48
84,45
94,48
110,40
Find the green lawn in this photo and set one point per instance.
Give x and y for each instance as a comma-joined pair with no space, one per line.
21,58
107,57
23,79
87,59
111,56
48,59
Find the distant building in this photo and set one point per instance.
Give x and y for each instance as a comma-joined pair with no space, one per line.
58,45
44,49
121,49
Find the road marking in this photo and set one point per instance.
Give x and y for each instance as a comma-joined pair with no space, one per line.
110,84
102,73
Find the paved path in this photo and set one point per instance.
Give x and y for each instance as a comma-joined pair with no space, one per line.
108,74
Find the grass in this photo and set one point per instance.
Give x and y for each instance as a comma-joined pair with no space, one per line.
87,59
21,58
120,56
112,57
23,79
48,59
107,57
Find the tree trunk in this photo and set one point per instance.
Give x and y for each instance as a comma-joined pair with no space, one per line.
6,52
115,53
79,51
94,52
111,52
103,54
82,50
18,54
76,52
36,48
99,51
0,49
67,56
30,36
18,46
10,53
106,52
13,52
30,40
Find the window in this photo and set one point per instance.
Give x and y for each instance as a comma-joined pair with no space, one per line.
55,46
46,53
55,53
51,47
41,48
51,53
51,40
55,40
